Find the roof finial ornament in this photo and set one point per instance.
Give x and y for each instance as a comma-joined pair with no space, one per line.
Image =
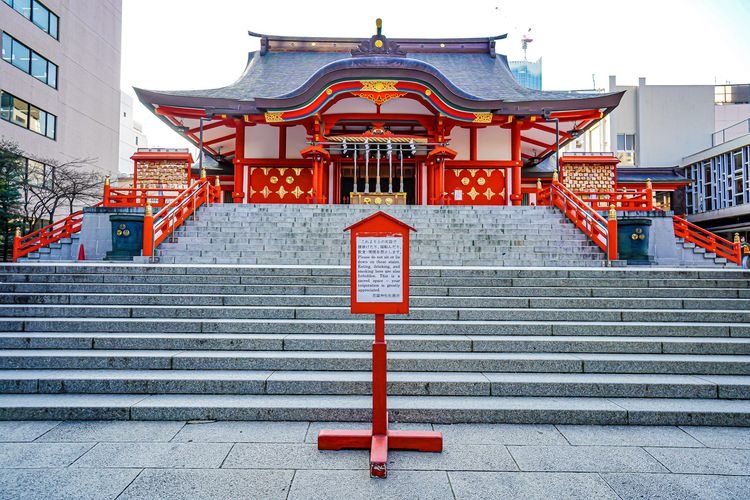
378,45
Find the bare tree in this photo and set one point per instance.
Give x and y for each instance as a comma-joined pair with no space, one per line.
63,189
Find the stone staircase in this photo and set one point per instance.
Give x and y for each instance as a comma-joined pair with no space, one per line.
65,250
695,256
446,236
517,345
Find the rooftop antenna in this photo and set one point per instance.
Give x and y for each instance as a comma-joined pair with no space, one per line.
525,41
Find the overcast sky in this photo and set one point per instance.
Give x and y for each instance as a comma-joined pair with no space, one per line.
193,44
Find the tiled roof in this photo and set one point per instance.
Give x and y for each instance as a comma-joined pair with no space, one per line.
479,77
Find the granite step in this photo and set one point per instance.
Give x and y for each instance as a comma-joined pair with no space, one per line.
432,409
359,383
363,342
152,359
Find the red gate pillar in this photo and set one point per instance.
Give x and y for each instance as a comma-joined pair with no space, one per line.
515,151
238,194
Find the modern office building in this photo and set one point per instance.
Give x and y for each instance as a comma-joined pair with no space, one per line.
131,136
528,73
60,81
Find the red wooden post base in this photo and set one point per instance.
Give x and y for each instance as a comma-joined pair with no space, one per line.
379,444
379,440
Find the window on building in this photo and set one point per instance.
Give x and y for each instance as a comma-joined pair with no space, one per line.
23,114
37,13
626,149
39,174
28,61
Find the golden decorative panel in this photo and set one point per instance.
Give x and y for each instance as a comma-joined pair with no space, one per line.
465,181
481,181
274,116
290,179
379,97
482,117
274,179
379,85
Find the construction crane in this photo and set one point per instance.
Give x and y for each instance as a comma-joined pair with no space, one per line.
525,41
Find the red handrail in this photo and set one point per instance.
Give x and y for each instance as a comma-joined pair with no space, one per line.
63,228
156,228
603,200
602,232
708,240
139,197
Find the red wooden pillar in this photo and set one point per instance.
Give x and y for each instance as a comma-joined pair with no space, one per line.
238,194
473,144
515,151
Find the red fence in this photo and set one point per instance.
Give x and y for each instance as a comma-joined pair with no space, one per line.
708,240
175,206
138,197
602,232
156,228
602,200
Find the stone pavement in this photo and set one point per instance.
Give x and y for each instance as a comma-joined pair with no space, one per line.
279,460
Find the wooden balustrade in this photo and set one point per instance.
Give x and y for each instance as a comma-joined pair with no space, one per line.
157,228
708,240
603,232
119,197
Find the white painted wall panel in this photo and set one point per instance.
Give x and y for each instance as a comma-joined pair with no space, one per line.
261,141
493,143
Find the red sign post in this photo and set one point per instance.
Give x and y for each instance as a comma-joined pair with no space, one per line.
380,286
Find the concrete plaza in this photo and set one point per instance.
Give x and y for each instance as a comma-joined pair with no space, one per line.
279,460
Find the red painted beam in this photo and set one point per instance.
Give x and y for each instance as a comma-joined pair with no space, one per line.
537,143
218,139
551,130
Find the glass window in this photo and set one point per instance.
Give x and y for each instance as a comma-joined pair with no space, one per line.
38,67
34,173
20,112
52,74
37,120
7,47
6,106
24,7
21,56
40,15
51,126
54,22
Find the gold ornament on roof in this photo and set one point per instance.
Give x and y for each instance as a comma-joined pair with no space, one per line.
274,116
482,117
378,85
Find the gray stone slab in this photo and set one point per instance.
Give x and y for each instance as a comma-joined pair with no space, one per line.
68,484
292,456
642,411
627,435
28,455
209,484
704,460
118,431
584,459
454,456
161,455
357,485
529,485
721,437
67,406
678,486
243,432
504,434
19,431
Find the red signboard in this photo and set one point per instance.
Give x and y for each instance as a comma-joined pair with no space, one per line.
380,265
380,286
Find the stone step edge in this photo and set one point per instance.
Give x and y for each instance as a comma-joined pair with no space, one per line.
431,409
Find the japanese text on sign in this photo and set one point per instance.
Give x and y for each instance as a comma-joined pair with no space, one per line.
380,269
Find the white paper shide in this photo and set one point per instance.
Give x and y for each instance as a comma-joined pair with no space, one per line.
380,276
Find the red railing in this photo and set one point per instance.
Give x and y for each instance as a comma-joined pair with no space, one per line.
708,240
602,200
156,228
138,197
599,230
171,201
622,200
64,228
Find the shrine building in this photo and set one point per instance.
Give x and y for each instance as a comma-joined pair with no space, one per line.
379,121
